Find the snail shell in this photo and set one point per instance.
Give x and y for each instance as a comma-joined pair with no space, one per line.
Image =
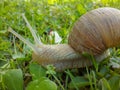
96,31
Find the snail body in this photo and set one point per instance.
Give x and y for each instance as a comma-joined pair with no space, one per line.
94,33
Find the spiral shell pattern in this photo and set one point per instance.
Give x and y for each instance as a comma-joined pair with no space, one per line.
96,31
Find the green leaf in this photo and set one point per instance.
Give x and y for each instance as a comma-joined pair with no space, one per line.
79,82
115,62
48,85
3,31
13,79
37,71
104,84
42,84
33,85
50,69
103,71
105,2
81,9
18,55
115,82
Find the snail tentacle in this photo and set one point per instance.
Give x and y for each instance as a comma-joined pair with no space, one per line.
37,41
32,46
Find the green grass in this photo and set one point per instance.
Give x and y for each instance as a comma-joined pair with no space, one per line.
17,72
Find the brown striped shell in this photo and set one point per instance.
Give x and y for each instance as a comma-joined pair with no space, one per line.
96,31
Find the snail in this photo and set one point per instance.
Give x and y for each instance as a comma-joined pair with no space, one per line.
94,32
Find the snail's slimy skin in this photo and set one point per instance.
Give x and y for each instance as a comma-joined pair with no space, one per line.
62,56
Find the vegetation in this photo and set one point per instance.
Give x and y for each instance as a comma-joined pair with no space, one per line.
17,72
